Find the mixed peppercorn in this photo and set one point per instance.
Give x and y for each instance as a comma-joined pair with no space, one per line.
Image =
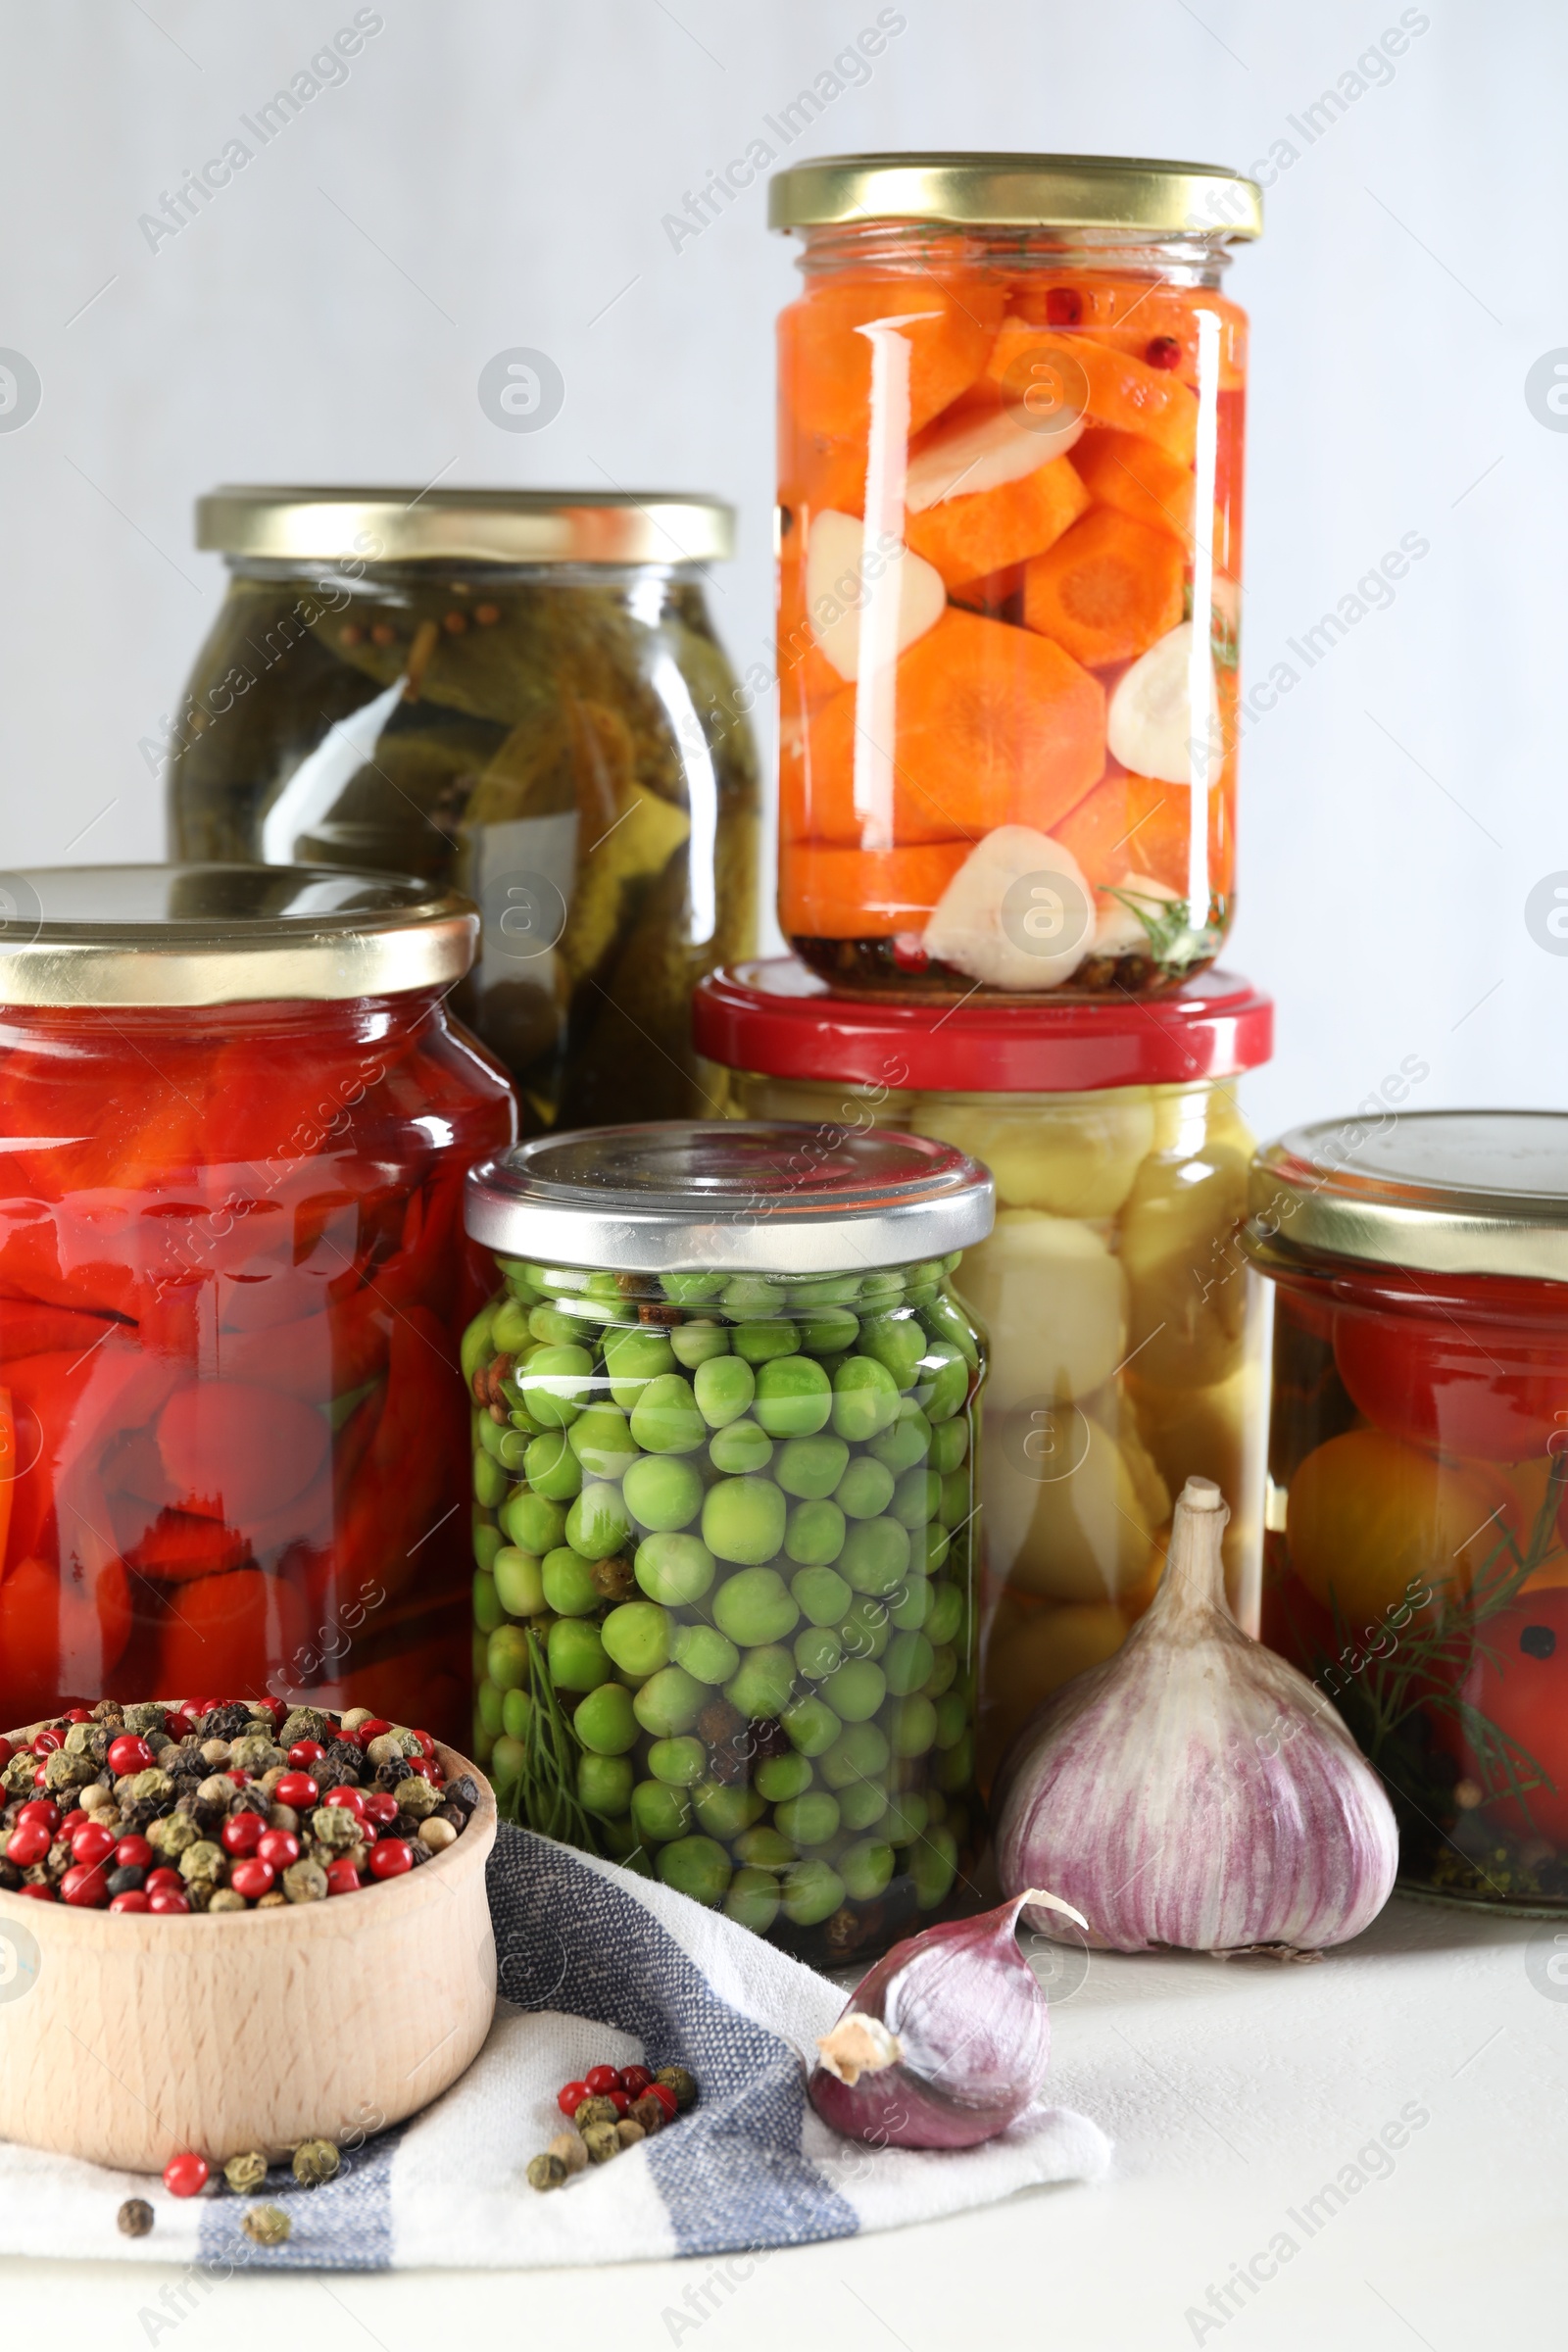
610,2110
213,1805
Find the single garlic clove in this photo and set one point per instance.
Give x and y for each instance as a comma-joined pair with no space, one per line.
840,583
983,452
1017,914
1121,928
1149,721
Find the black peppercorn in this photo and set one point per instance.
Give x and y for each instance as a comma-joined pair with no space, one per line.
464,1792
126,1880
135,2218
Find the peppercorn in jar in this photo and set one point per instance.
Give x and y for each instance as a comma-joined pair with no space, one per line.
724,1411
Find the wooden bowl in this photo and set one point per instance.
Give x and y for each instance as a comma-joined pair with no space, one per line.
127,2036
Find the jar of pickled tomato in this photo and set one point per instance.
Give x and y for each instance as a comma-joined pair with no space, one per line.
1011,421
1417,1499
1124,1335
725,1403
234,1277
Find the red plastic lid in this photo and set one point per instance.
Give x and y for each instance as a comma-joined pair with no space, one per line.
778,1019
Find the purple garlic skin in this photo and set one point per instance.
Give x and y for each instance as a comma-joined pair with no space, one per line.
942,2043
1195,1790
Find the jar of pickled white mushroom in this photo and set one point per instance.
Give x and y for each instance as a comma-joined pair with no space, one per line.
1126,1330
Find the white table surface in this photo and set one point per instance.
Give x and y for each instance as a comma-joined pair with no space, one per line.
1234,2093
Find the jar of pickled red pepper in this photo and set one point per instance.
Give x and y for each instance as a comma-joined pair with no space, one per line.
1124,1336
517,694
724,1410
1011,423
233,1277
1417,1512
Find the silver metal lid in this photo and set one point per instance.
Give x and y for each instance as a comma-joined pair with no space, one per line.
171,935
1444,1191
758,1196
299,522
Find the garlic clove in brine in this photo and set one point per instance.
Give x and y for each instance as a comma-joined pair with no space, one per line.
1195,1790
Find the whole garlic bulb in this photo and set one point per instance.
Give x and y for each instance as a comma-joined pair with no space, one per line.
1195,1790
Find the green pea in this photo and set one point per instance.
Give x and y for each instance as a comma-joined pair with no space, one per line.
489,1701
698,1867
811,1724
809,1820
945,1319
603,1720
637,1637
519,1584
508,1657
533,1522
509,1761
692,1289
906,1818
552,1469
821,1594
947,1615
907,1443
811,1467
664,1418
476,1347
917,1497
825,1290
602,1283
598,1524
944,1382
866,1490
755,1606
949,1442
857,1690
669,1702
663,1492
882,1287
912,1726
865,1869
488,1612
761,1685
601,1438
604,1785
753,1900
554,1281
680,1762
704,1652
866,1629
764,1849
830,1331
862,1804
793,1398
742,1520
673,1569
778,1777
502,1443
866,1399
876,1556
723,1388
697,1344
556,1384
812,1891
659,1811
956,1765
550,1327
933,1866
517,1714
726,1810
632,1358
957,1500
487,1541
741,1448
928,1547
576,1655
908,1606
949,1718
813,1534
906,1664
489,1481
817,1652
760,1342
567,1582
859,1754
518,1276
898,1342
509,1333
944,1666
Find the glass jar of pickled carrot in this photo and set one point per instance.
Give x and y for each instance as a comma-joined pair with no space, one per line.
1416,1559
1126,1338
234,1277
1010,429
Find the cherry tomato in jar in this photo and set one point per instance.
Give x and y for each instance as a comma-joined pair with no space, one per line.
1522,1688
1452,1380
1374,1524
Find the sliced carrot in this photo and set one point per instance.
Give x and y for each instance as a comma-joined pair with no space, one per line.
966,536
1131,314
998,594
825,362
828,893
815,470
1106,590
1137,477
993,724
1049,371
1130,825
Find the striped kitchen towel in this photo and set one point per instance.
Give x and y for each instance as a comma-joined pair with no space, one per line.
596,1965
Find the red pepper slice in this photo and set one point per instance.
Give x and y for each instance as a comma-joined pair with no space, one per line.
406,1488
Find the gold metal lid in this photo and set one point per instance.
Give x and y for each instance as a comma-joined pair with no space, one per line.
293,522
1031,191
1442,1191
171,934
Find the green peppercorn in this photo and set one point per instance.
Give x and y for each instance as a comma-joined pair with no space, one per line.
602,2141
682,2084
316,2161
245,2174
547,2172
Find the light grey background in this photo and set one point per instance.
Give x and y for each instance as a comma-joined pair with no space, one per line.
495,172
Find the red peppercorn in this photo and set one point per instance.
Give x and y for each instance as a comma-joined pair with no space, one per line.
242,1833
570,2096
296,1789
41,1778
92,1842
601,2080
352,1800
342,1878
253,1879
133,1853
281,1847
163,1881
79,1714
306,1752
185,2176
619,2100
43,1895
1064,306
425,1741
176,1724
380,1805
29,1842
41,1809
133,1899
666,2098
391,1857
73,1820
165,1899
46,1744
371,1730
634,2080
128,1753
86,1884
238,1778
1163,352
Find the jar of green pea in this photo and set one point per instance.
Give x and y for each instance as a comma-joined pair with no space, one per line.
725,1404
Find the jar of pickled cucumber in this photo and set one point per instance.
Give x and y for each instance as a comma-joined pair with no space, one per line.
1124,1330
517,694
724,1417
